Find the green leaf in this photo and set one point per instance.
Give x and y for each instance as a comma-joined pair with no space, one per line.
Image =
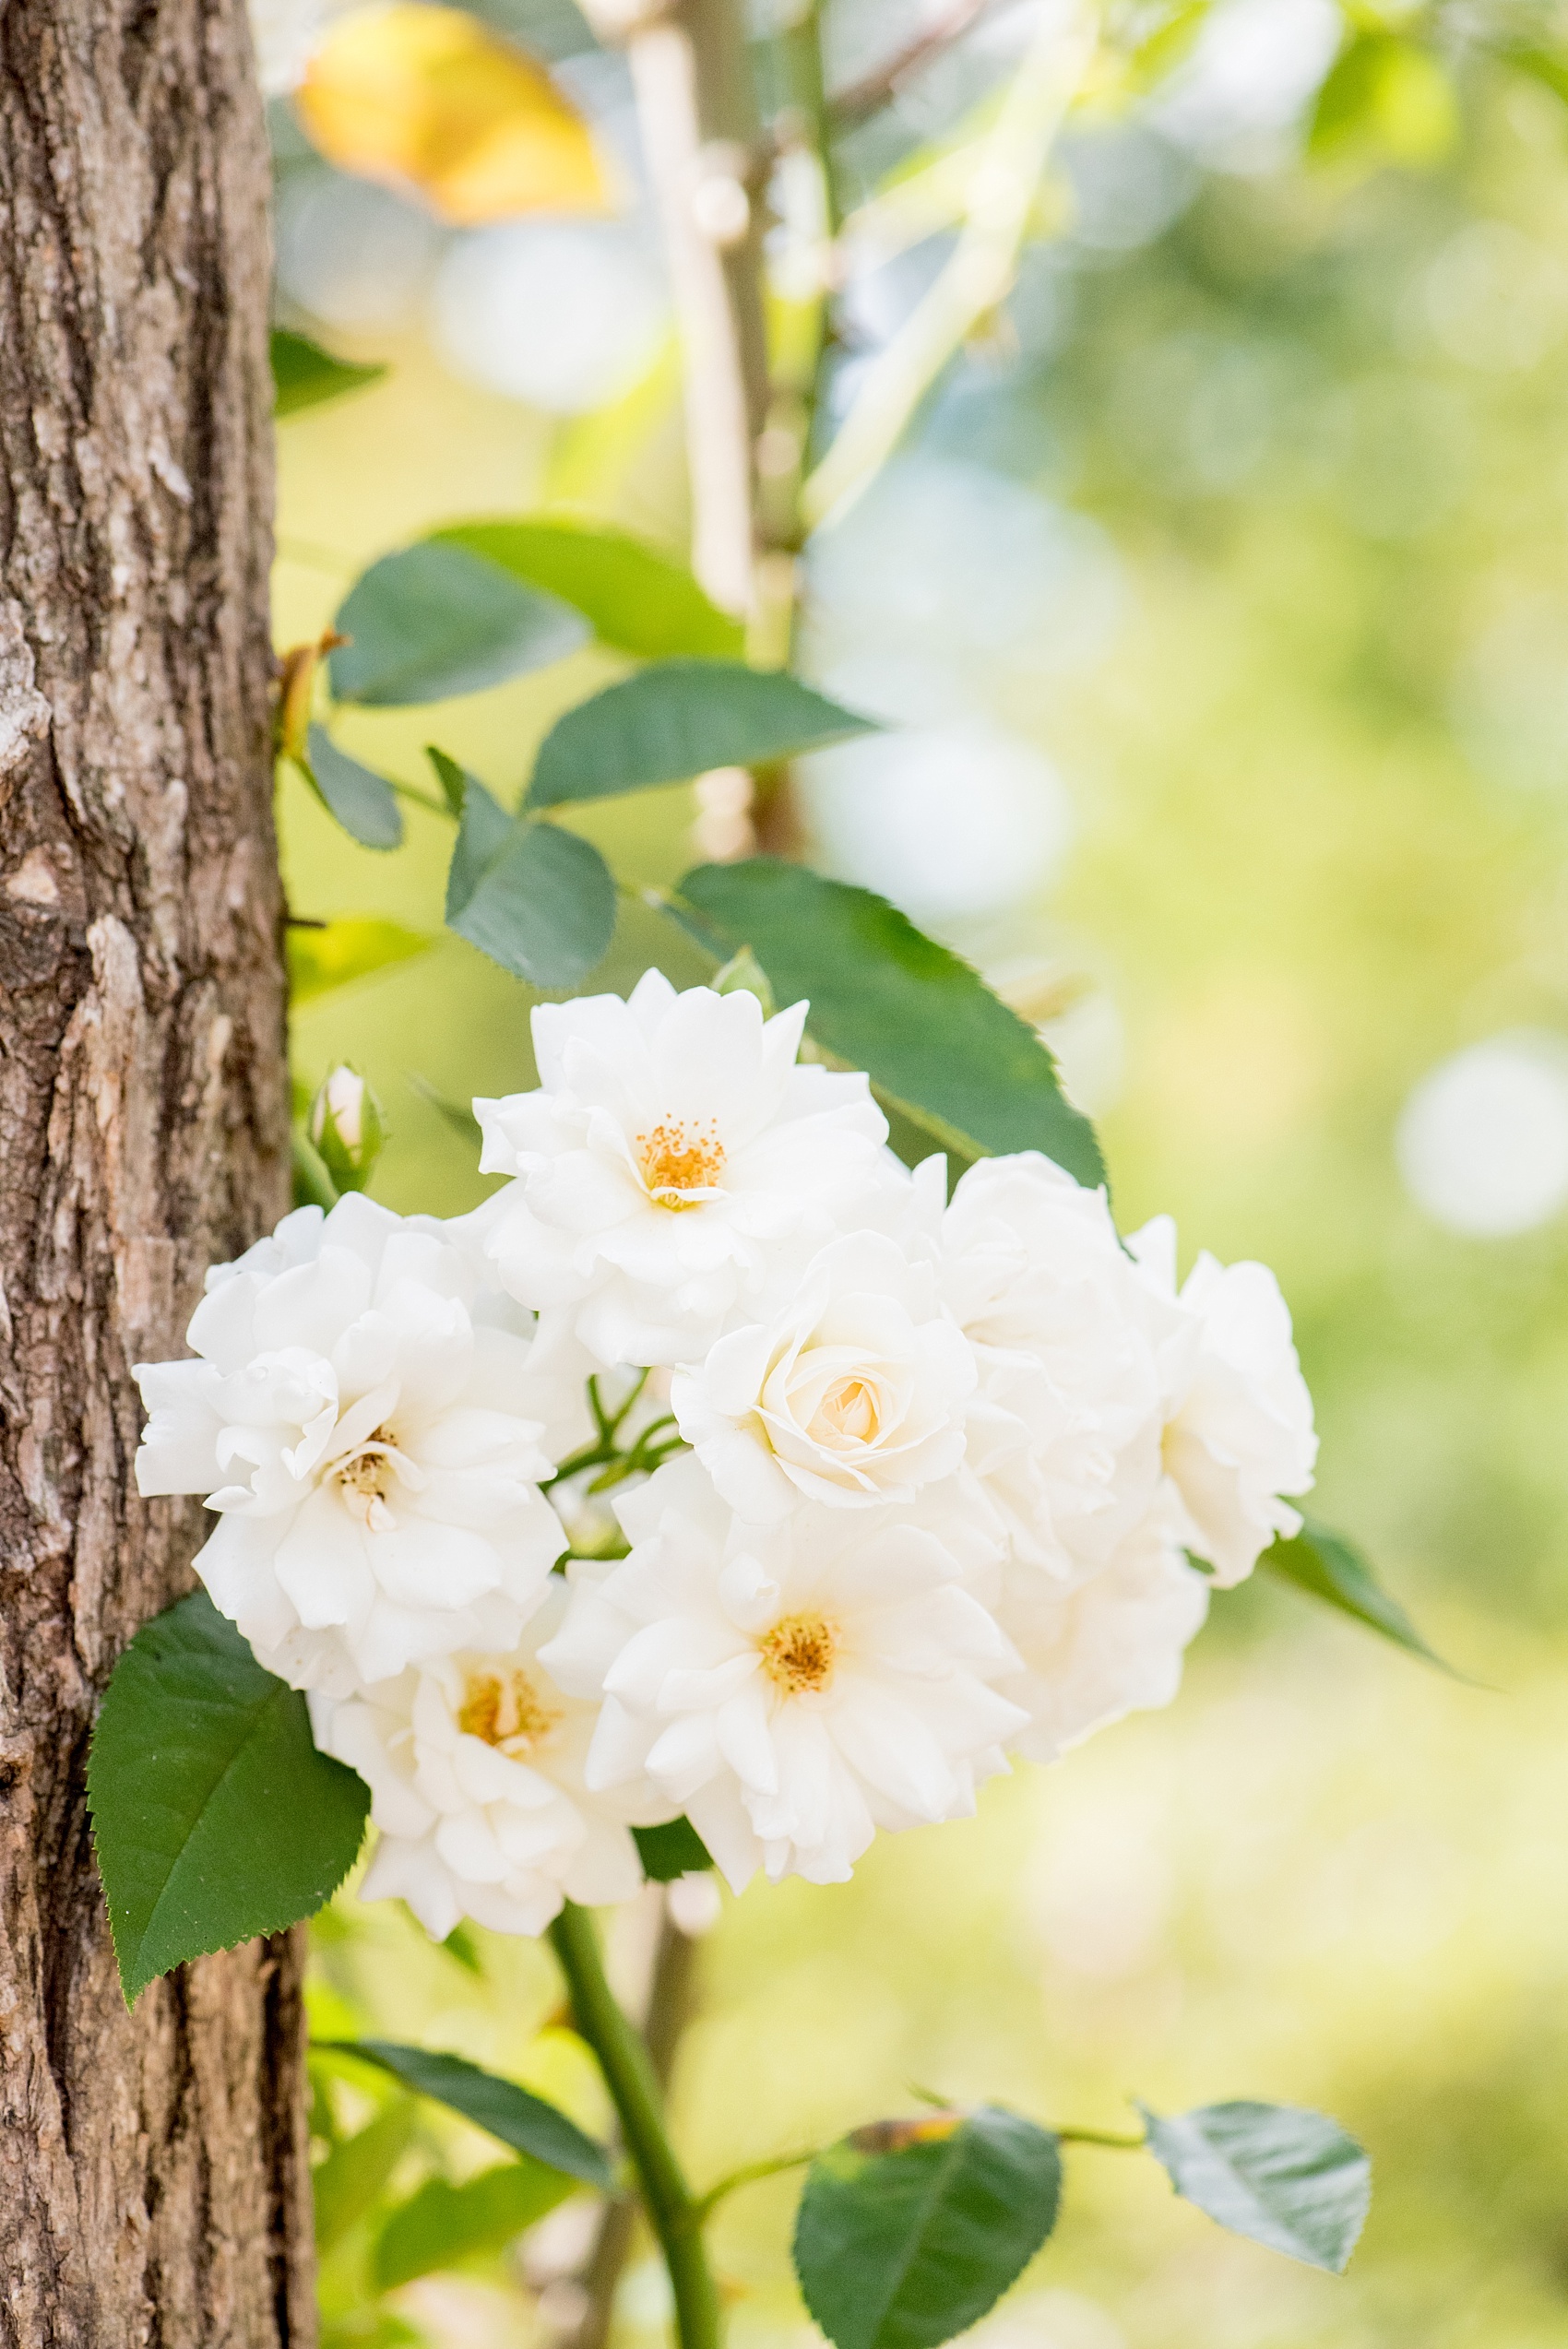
633,597
443,2224
363,802
333,953
538,900
434,621
348,2180
908,2231
1327,1566
1385,96
886,999
303,375
677,719
214,1816
519,2119
1288,2179
483,829
674,1850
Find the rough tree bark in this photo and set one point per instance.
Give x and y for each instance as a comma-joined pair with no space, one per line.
153,2186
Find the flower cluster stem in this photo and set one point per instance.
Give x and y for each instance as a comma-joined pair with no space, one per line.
634,2089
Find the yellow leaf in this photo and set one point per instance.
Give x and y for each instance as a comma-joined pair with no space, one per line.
429,100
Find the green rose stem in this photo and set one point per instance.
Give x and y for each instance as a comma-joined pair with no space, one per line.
629,2075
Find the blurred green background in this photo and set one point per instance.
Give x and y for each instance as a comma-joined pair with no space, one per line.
1266,484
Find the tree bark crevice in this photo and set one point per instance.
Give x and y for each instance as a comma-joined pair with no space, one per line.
153,2167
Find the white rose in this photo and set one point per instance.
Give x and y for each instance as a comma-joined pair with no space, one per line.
671,1155
475,1766
368,1446
855,1393
1075,1359
1239,1430
1112,1645
791,1690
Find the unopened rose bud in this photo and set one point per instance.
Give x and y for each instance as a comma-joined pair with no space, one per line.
347,1127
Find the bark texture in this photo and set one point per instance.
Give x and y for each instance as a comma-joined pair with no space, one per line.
153,2183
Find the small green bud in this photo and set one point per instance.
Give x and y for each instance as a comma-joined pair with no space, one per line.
743,974
347,1127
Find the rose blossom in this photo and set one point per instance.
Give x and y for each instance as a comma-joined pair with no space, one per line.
373,1451
855,1393
1239,1427
475,1766
790,1689
672,1152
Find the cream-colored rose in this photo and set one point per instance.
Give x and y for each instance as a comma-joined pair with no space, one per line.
856,1393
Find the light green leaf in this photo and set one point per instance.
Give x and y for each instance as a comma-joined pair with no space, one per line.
363,802
336,952
433,621
672,1850
1386,96
443,2224
523,2121
303,375
348,2182
633,596
677,719
1288,2179
538,900
1327,1566
908,2231
214,1816
886,999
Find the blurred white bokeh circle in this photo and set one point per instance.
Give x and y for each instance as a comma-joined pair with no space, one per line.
1482,1141
565,314
947,821
352,254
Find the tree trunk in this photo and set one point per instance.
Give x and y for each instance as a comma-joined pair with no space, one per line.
153,2178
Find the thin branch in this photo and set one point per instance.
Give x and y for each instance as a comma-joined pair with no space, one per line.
749,2174
705,208
862,98
981,270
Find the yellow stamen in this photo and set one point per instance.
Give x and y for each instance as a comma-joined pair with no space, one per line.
677,1159
507,1711
798,1653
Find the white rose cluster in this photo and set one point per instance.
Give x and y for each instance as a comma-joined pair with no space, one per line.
936,1481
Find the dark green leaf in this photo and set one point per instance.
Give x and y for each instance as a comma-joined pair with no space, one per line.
523,2121
1327,1565
635,599
677,719
908,2231
436,620
674,1850
303,375
334,952
483,829
1290,2178
443,2224
354,2174
363,802
886,999
455,781
214,1816
536,899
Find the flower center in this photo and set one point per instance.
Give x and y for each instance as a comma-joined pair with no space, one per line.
365,1479
848,1411
507,1711
798,1653
678,1160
